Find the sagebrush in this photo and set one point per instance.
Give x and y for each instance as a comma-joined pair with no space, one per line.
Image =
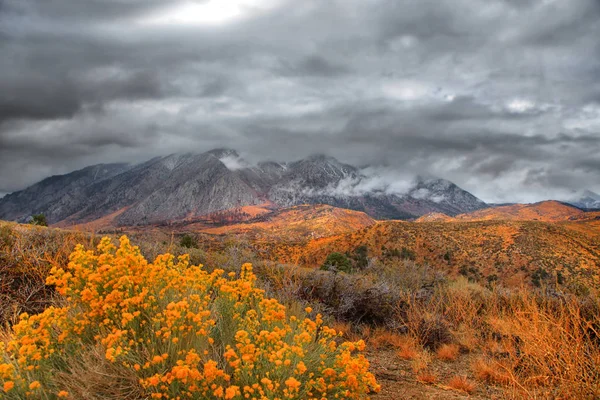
168,329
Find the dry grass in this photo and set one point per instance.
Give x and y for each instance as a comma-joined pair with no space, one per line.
427,377
555,343
490,372
91,376
534,341
462,384
347,330
342,327
421,362
26,255
407,351
382,338
448,352
466,337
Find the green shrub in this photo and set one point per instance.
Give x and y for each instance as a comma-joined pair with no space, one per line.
336,262
361,261
39,219
188,242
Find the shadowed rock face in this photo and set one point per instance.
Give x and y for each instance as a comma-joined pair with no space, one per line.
182,186
57,196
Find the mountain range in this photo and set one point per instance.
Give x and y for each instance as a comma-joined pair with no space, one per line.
587,200
182,187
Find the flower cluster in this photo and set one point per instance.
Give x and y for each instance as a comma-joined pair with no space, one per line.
183,332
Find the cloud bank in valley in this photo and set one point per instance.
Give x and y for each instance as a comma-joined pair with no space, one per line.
501,97
374,180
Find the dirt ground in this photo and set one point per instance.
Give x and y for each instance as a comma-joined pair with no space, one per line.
398,381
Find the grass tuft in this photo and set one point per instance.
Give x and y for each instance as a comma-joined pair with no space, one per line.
461,383
448,352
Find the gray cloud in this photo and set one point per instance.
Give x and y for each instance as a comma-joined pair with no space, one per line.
500,96
311,66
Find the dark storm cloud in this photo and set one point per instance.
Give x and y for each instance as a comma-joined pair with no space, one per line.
52,97
561,23
500,96
89,10
311,66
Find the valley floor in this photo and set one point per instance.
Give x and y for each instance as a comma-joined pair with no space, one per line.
466,336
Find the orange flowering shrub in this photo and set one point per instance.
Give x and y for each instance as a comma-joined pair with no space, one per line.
183,332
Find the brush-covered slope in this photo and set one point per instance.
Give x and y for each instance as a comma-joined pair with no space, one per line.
550,211
512,251
297,223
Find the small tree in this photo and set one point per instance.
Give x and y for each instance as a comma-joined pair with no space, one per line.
337,262
448,256
39,219
188,242
360,258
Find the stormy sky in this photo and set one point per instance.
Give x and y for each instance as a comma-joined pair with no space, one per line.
500,96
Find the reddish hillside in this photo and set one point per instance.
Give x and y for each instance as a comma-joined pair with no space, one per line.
105,223
487,245
588,225
296,223
511,251
549,211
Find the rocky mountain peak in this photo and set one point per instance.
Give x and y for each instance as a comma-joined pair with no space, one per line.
190,185
223,152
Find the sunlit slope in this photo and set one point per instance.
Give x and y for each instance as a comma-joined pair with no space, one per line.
300,222
590,226
550,211
510,250
435,217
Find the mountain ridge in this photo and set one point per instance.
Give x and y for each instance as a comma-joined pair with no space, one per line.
587,200
186,185
549,211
